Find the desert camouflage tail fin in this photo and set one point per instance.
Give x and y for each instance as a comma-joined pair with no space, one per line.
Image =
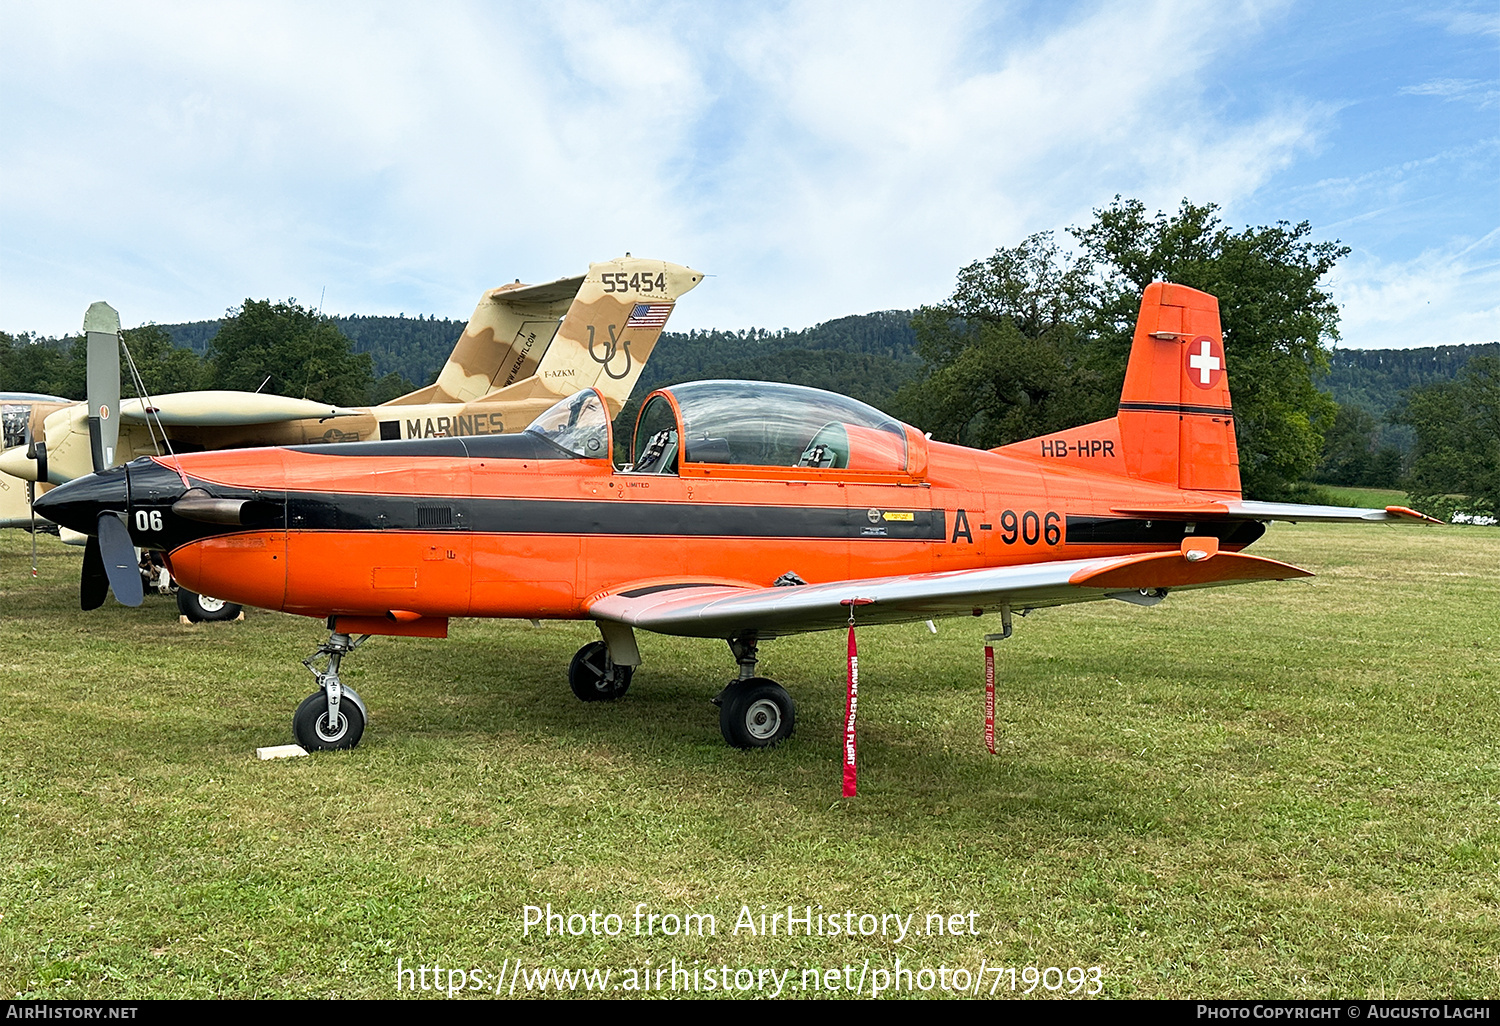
1176,424
515,346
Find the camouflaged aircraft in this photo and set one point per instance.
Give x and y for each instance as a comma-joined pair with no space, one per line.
525,347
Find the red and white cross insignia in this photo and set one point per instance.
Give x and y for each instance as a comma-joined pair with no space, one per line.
1205,361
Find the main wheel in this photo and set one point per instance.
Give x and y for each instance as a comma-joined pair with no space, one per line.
594,678
202,609
756,713
311,727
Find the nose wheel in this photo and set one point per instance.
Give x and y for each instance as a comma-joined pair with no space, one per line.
316,732
335,716
203,608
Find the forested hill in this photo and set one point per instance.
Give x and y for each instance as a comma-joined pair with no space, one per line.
867,356
1375,378
414,347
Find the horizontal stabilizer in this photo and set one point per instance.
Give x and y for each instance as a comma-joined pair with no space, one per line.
545,293
1181,570
1242,509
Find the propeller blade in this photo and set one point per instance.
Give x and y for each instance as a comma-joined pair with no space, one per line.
31,504
121,565
102,323
94,584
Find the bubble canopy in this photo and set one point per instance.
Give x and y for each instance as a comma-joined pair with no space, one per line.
579,425
765,424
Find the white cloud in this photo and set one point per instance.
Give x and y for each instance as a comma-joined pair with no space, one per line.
1469,90
1443,297
817,159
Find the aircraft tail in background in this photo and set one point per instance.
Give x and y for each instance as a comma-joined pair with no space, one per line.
532,341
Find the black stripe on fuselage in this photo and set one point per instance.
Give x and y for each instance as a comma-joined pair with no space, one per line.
1179,408
1135,531
349,512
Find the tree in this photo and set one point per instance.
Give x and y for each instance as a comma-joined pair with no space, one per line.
303,354
32,364
1004,352
1034,339
164,367
1456,464
1353,455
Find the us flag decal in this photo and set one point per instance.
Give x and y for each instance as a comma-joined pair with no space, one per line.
649,315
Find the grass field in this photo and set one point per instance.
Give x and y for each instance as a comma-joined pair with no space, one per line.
1374,498
1281,790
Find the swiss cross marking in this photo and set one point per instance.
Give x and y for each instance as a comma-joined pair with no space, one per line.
1203,364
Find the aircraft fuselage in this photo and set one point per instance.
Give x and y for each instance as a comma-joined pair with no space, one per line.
503,527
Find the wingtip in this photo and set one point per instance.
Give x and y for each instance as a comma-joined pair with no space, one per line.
1411,514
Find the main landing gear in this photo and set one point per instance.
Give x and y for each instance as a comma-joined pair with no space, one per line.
595,677
754,712
333,717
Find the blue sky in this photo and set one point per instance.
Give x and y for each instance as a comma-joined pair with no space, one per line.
814,159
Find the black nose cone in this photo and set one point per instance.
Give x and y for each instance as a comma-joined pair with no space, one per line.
78,503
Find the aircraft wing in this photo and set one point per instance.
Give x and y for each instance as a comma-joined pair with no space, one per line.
1241,509
227,409
722,611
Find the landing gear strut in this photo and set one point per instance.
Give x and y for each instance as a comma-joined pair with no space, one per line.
595,677
333,717
754,712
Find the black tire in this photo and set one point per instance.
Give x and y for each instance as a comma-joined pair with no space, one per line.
586,674
310,724
202,609
756,713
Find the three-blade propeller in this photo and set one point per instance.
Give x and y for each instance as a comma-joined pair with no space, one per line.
109,559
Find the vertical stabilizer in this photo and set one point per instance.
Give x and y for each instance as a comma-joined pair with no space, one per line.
510,329
534,341
612,327
1176,421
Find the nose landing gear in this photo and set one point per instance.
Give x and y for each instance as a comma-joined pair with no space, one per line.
335,716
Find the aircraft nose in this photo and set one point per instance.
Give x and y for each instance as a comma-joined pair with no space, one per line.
78,503
16,462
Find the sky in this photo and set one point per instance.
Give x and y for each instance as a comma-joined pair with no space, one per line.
813,159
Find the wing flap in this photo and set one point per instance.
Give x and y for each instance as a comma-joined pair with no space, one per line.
717,610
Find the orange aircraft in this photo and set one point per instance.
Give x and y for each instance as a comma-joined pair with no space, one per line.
748,510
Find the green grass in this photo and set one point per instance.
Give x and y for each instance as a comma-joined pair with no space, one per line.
1373,498
1281,790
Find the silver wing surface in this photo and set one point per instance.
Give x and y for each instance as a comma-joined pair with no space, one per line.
716,610
1241,509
